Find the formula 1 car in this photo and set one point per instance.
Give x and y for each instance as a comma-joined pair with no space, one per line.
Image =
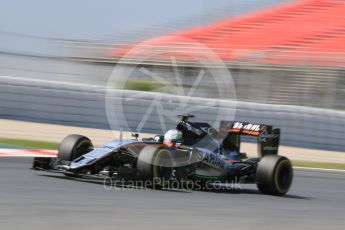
204,155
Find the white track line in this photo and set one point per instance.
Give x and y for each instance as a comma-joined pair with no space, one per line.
320,169
51,82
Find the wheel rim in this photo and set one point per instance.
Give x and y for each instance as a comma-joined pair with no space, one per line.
81,148
283,176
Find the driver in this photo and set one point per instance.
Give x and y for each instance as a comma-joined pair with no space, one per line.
172,136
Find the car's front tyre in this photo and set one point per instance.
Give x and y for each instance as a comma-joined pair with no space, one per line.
74,146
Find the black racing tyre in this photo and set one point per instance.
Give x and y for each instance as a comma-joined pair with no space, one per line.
155,166
74,146
274,175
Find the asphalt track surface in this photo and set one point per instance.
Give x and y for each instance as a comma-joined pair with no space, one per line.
38,200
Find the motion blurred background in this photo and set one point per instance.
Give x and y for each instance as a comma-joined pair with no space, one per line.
286,59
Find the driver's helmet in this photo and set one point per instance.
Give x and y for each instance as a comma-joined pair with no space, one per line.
172,136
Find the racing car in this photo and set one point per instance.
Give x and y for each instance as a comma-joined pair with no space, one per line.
194,151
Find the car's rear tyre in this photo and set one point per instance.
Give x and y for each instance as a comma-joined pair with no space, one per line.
74,146
155,166
274,175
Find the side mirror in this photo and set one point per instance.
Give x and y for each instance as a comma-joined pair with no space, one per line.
135,135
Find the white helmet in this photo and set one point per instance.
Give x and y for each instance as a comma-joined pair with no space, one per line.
172,136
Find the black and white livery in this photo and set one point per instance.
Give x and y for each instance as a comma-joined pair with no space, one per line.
199,153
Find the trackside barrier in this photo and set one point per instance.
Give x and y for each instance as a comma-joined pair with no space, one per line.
84,105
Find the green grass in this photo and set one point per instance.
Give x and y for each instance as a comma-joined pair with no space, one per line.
143,85
29,143
52,145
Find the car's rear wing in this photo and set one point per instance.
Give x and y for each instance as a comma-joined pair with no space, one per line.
267,136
